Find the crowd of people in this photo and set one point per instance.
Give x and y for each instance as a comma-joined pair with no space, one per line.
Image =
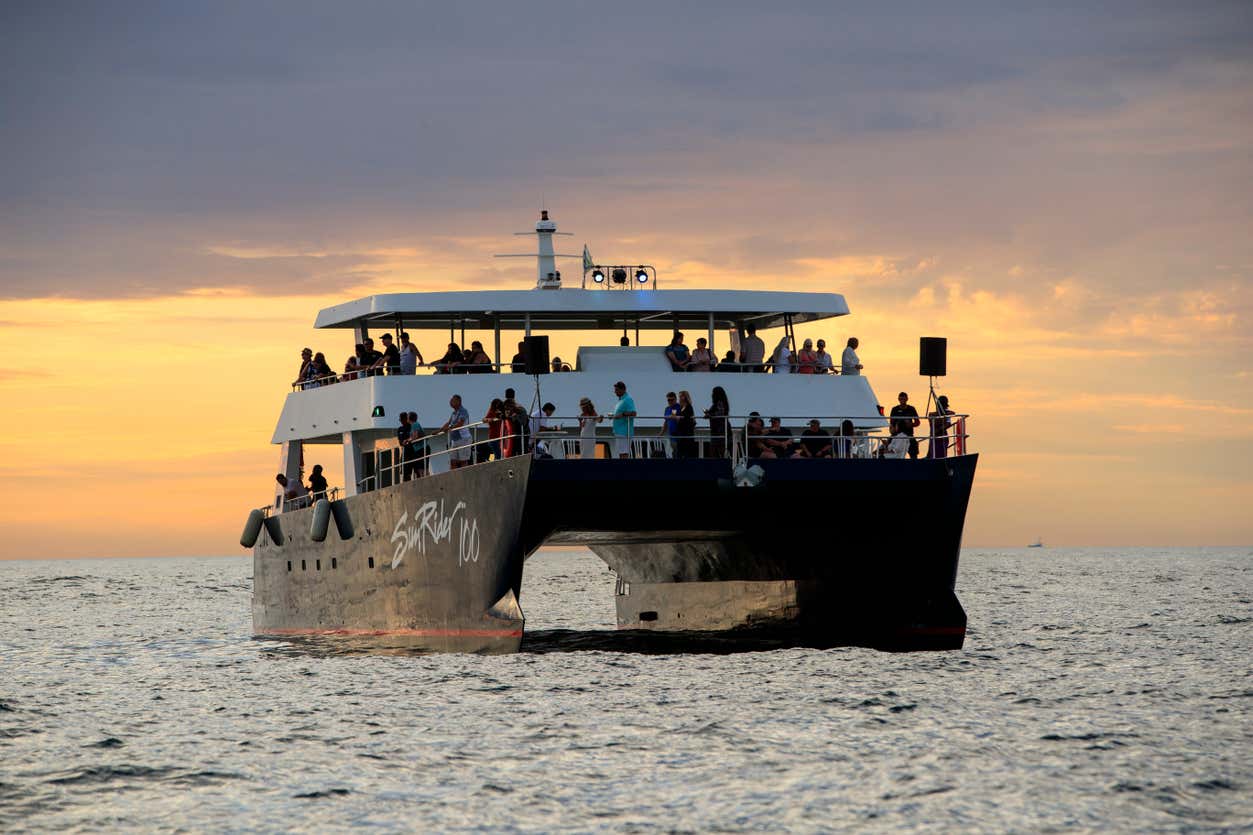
512,431
401,356
810,359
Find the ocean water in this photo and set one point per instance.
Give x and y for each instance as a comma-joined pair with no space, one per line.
1097,689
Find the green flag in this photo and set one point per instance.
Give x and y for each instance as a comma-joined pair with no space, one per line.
587,259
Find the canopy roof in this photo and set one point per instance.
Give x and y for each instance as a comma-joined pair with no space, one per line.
576,309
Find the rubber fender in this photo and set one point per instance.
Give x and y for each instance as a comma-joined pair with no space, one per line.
274,530
343,521
252,528
321,520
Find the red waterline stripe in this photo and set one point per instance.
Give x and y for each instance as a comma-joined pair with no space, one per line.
420,633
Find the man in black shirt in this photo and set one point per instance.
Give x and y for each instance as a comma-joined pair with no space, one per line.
370,357
391,355
815,442
518,364
779,439
904,419
403,433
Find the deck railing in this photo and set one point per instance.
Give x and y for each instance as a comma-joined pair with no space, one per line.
507,367
560,437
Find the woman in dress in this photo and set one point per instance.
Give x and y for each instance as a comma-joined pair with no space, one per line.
587,428
685,437
807,360
719,424
496,423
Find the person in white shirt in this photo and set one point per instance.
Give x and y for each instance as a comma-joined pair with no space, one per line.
781,359
540,423
898,446
849,363
824,361
752,351
410,356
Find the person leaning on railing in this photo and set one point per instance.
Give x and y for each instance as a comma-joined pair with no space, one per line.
415,450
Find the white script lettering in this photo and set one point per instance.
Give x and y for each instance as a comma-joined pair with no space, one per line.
431,521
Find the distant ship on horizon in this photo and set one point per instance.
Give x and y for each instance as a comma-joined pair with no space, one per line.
1039,543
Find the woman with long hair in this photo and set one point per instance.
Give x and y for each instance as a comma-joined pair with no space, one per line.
587,428
450,360
685,446
781,359
322,372
719,413
496,423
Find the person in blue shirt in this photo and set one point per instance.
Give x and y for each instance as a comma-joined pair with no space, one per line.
623,415
677,353
671,415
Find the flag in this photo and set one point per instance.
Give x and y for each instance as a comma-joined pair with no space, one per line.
587,259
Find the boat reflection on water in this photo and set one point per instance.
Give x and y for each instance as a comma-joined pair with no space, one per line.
545,641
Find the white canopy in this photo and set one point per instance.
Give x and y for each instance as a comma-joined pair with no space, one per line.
577,309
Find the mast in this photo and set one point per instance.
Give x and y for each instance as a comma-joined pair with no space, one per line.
546,275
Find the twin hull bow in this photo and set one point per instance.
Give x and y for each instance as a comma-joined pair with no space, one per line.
845,551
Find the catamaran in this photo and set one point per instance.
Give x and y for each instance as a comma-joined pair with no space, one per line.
851,545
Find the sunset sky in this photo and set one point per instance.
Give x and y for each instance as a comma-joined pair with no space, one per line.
1065,191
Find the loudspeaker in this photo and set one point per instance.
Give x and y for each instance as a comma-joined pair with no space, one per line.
932,356
535,351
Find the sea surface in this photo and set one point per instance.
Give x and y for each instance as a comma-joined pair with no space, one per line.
1098,689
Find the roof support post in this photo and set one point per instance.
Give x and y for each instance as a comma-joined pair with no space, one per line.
496,323
712,352
527,324
360,332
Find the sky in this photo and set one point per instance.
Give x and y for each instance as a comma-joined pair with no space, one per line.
1063,190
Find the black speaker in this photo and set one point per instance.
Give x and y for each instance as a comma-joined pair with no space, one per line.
932,356
535,351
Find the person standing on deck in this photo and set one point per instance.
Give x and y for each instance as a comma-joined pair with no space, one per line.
623,420
905,418
849,363
670,426
402,441
587,428
823,361
719,413
390,359
940,424
415,452
410,356
458,435
752,351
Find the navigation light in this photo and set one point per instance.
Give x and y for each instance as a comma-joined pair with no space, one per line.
599,276
641,275
619,276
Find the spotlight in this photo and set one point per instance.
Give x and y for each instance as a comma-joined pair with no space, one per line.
641,275
599,276
619,276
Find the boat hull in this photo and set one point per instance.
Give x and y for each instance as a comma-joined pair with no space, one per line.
433,564
819,552
846,551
